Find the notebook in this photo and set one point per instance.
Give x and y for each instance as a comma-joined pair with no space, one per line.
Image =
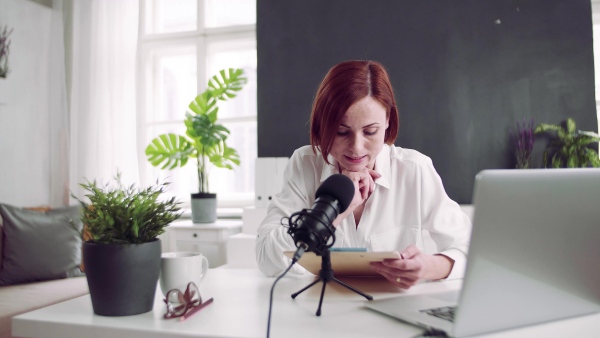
533,257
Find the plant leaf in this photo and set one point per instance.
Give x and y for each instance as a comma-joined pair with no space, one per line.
228,81
169,151
571,126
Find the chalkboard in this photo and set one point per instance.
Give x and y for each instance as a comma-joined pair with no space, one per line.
464,72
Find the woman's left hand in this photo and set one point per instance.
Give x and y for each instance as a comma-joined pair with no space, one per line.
413,266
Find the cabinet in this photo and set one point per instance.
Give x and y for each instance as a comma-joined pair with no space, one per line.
208,238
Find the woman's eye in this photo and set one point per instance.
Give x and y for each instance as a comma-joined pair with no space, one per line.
342,133
370,132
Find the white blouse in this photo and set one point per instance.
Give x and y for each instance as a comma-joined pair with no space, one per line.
409,198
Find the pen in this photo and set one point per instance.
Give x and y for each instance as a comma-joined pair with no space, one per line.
196,309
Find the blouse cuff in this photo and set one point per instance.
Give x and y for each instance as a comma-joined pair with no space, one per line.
460,263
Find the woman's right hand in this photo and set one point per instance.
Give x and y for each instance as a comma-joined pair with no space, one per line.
364,185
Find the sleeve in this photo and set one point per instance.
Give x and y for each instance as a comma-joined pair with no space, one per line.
448,225
272,237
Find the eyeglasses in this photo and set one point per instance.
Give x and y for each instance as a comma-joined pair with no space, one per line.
178,303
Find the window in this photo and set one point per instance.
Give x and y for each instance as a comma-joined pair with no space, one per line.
182,44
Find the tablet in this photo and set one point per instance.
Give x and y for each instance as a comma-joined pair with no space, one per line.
345,263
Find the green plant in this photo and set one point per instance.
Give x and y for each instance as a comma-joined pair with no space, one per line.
204,139
570,148
120,214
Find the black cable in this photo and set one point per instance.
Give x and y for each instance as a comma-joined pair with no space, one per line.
299,252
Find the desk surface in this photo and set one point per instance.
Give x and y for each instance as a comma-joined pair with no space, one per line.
240,309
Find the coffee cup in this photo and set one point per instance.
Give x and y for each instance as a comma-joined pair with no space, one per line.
179,268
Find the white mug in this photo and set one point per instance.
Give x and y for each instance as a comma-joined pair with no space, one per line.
177,269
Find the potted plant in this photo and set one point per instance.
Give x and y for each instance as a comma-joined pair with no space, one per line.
570,148
204,141
121,249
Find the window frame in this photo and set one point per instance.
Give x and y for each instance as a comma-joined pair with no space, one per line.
202,38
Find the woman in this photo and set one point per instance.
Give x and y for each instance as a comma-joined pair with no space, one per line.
398,193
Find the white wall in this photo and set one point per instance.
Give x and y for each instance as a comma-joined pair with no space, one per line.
25,117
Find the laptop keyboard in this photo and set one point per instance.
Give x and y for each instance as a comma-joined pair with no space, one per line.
444,312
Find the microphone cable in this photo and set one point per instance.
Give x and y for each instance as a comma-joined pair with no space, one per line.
299,252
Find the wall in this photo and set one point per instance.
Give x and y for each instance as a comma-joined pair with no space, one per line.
464,72
29,142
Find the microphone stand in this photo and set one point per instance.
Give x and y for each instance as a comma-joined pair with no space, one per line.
326,276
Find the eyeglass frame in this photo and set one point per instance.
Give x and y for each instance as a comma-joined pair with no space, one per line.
186,301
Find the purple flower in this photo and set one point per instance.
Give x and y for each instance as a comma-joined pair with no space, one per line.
4,50
524,144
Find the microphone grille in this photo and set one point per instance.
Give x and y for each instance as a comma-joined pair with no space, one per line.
339,187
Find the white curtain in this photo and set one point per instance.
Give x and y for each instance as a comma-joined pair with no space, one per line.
103,92
59,120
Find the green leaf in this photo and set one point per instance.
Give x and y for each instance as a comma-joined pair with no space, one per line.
593,158
226,83
544,127
203,103
226,158
572,162
169,151
209,134
556,162
570,126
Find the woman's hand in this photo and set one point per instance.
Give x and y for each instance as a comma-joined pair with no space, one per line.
364,185
413,266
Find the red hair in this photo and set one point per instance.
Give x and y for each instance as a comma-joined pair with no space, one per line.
345,84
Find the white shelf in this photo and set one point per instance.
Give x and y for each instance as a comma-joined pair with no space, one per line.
210,239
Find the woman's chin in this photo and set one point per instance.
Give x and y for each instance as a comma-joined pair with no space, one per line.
355,166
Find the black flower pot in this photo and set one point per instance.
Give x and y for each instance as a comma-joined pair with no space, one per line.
122,278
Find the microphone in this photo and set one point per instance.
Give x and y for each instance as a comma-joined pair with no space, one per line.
311,229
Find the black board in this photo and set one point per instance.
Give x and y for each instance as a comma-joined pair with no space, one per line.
464,72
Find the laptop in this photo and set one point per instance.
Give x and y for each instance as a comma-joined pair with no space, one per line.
533,257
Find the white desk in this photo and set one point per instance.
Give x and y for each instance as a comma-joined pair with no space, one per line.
241,306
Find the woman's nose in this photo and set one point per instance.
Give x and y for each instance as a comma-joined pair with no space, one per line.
357,142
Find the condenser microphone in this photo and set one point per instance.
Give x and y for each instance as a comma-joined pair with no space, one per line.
312,229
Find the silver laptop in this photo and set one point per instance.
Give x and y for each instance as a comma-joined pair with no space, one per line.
533,258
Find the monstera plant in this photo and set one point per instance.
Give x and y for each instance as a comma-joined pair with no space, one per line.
204,141
570,148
